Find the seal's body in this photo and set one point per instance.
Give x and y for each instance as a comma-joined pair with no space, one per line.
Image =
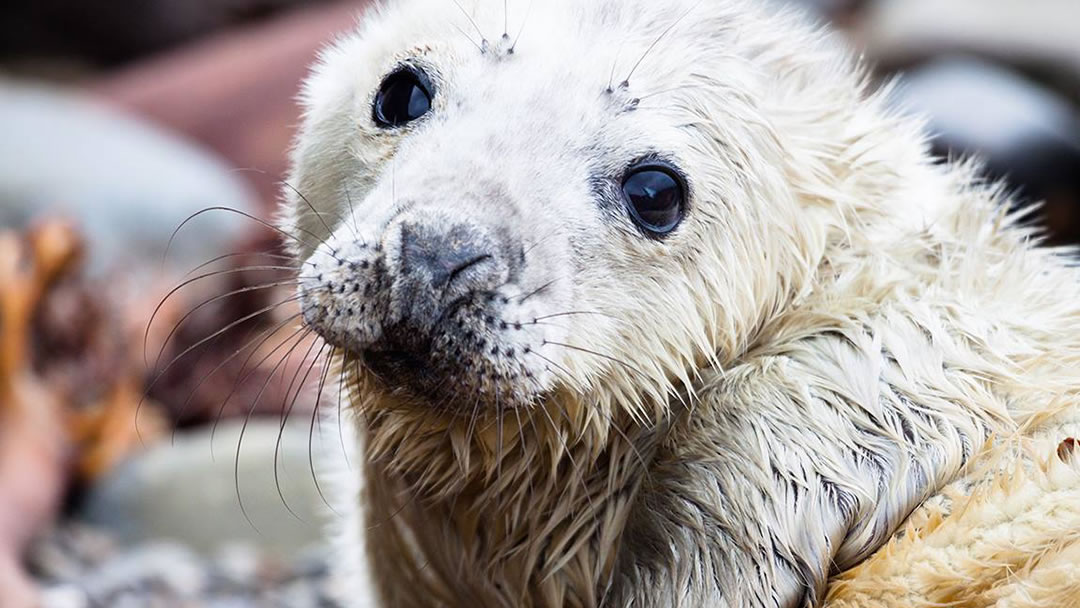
650,304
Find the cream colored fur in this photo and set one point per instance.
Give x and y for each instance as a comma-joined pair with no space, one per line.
835,332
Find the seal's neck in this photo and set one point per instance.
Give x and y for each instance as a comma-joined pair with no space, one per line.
540,529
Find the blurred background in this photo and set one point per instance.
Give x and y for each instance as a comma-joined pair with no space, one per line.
152,467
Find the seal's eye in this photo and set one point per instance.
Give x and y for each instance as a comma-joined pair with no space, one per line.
404,96
655,196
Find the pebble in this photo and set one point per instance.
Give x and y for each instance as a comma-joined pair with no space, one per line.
169,575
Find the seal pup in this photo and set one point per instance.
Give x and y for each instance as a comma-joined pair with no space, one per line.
649,304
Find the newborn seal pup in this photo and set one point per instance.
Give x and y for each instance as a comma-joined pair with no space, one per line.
649,304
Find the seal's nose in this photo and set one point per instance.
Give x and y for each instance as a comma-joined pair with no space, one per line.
438,265
440,255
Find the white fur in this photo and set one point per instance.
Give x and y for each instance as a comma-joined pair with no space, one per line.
836,328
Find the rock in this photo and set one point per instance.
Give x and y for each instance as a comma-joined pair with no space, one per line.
238,564
837,10
986,108
174,569
169,575
187,493
64,596
1040,31
1023,132
235,93
127,183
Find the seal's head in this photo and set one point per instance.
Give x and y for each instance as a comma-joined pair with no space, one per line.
585,210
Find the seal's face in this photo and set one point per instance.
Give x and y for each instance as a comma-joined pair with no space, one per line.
488,222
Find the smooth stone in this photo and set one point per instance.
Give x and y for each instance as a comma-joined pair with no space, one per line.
64,596
128,183
899,32
174,569
186,493
984,107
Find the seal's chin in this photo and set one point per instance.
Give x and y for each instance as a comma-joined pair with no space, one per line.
400,369
458,367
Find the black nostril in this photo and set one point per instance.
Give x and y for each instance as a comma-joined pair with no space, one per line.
441,254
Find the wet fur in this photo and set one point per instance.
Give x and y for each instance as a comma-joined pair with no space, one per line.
724,418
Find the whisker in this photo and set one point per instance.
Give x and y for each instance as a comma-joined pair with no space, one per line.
547,324
329,230
311,427
574,312
528,12
298,336
172,292
263,336
341,383
498,438
244,374
185,317
541,240
467,37
521,438
611,421
537,290
567,374
236,254
162,371
285,183
469,17
601,355
626,81
249,216
640,373
570,456
286,412
472,423
615,64
352,213
670,90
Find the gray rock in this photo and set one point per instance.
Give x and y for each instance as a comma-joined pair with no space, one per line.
238,564
187,493
173,568
64,596
984,108
128,184
904,31
170,575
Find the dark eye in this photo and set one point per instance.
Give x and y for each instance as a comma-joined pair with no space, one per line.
403,97
655,196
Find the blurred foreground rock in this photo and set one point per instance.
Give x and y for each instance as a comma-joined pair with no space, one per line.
905,32
188,492
77,427
83,567
1024,133
165,529
235,93
127,184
